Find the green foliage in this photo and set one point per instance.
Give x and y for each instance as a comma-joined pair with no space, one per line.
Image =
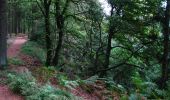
112,86
3,75
26,85
147,89
136,45
136,79
136,97
15,61
49,92
64,81
62,78
45,73
91,80
167,95
22,83
33,49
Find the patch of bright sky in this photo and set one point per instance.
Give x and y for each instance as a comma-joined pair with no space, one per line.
106,7
164,4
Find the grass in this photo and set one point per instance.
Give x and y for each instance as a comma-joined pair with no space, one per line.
33,49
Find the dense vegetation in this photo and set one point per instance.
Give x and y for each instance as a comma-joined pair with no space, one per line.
128,49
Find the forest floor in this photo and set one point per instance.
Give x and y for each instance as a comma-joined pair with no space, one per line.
30,64
14,45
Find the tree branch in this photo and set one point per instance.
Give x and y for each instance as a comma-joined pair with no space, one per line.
39,5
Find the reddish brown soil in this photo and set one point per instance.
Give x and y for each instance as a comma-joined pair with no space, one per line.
7,94
86,96
13,51
14,48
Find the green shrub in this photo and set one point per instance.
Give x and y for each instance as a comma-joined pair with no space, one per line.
33,49
3,75
48,92
168,91
45,73
64,81
61,77
26,85
147,88
112,86
15,61
136,96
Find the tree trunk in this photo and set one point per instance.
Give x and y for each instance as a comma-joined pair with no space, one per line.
15,21
3,33
108,52
57,50
109,45
48,32
60,28
164,77
9,20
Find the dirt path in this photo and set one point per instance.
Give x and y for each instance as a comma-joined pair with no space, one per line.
13,51
15,47
7,94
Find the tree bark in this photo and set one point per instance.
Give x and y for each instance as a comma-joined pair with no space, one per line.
165,63
60,27
109,44
48,32
3,33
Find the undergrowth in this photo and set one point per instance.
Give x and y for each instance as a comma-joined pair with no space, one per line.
26,85
15,61
35,50
146,89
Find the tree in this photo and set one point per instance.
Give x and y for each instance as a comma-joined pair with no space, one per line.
3,33
60,18
112,30
166,34
44,6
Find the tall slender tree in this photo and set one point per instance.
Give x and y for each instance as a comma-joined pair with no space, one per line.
44,6
3,33
60,28
166,33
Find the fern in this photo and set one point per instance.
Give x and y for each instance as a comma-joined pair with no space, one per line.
147,88
136,96
18,82
15,61
26,85
91,80
48,92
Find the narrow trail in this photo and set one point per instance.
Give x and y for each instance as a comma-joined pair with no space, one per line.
13,51
7,94
16,45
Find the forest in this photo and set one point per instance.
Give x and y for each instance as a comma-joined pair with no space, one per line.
84,49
